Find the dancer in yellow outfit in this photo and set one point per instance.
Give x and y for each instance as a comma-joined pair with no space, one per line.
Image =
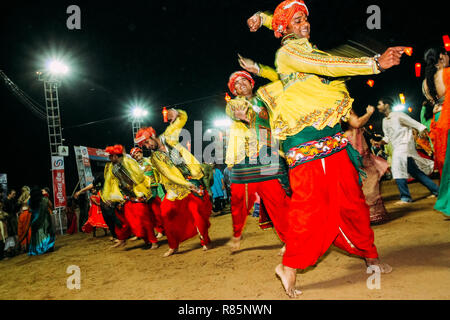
307,105
186,207
128,189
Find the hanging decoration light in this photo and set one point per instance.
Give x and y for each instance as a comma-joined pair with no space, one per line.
165,113
418,67
370,83
446,42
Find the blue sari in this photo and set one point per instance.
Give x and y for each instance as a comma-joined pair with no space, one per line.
42,234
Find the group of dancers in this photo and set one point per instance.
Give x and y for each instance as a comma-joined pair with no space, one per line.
286,143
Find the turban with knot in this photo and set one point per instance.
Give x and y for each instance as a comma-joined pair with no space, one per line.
284,13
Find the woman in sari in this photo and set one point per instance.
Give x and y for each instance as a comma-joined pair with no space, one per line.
95,219
24,228
436,88
374,167
42,234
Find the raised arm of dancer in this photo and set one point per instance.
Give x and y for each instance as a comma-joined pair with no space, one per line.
88,187
260,19
178,120
358,122
258,69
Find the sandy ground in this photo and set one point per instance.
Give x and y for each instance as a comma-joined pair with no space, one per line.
416,242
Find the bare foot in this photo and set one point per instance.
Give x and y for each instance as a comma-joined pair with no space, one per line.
120,243
384,267
111,239
288,276
234,243
134,238
170,252
159,235
154,246
282,251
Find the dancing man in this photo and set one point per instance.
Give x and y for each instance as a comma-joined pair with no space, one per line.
186,207
327,204
128,189
256,166
156,188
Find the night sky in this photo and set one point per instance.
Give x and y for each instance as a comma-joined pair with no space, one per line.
166,53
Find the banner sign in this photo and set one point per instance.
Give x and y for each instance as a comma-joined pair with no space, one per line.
59,183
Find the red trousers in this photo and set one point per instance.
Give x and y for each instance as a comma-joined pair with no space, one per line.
183,219
136,218
327,207
272,194
155,207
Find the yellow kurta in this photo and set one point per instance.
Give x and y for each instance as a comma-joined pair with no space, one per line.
176,185
242,137
311,90
141,183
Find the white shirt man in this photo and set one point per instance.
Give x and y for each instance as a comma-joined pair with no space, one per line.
398,130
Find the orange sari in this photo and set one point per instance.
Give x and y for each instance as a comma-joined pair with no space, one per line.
439,128
24,230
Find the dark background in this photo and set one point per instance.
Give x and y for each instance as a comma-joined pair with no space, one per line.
166,53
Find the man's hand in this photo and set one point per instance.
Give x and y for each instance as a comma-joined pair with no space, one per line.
241,114
423,134
370,109
437,108
76,195
248,64
391,57
254,22
172,115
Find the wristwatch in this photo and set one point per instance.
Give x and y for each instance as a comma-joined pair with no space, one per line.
375,58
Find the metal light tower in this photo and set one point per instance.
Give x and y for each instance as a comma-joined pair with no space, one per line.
51,77
136,120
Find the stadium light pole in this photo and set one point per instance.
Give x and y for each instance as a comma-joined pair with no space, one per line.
137,116
51,76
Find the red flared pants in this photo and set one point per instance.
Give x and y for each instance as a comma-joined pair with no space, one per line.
136,218
183,219
155,207
272,195
327,207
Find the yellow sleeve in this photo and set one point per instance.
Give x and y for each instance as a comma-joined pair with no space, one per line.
172,132
111,190
266,18
168,171
268,73
295,57
133,168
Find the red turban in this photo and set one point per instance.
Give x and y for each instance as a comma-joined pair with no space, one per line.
234,76
283,15
116,149
135,150
144,134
